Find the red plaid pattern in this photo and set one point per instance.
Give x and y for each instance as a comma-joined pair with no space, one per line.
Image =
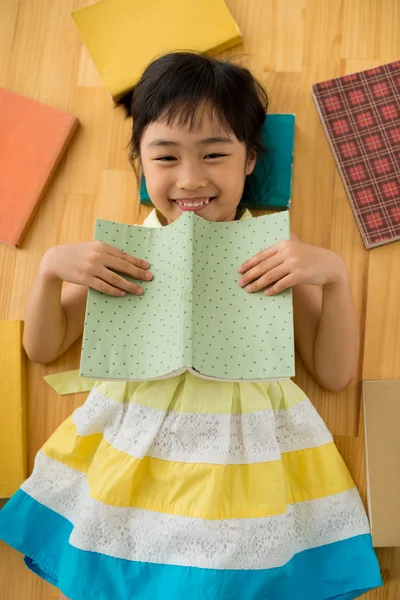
375,220
357,173
352,77
395,135
382,165
391,189
332,103
365,196
381,89
389,112
373,72
356,97
365,119
326,84
373,142
341,126
361,117
349,149
396,213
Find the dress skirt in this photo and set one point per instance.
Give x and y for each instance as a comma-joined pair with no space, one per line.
191,489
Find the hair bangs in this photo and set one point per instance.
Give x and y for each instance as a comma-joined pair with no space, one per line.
179,88
189,113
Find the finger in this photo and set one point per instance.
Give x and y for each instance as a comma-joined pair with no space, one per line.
117,281
281,285
139,262
257,258
269,278
105,288
261,269
123,266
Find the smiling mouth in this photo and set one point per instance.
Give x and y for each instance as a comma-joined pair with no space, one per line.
193,203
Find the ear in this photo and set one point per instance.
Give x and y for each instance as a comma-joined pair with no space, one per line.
251,163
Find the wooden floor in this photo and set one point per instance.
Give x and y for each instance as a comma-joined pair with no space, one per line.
289,44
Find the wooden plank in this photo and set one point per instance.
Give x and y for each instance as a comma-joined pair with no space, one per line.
289,45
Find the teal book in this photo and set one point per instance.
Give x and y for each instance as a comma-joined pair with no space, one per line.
193,315
269,187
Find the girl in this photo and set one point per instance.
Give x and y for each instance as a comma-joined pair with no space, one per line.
237,490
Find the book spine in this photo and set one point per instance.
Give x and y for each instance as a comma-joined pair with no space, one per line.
13,410
188,224
367,466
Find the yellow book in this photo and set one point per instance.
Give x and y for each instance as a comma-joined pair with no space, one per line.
13,450
123,36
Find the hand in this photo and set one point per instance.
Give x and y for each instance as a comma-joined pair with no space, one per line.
94,264
289,263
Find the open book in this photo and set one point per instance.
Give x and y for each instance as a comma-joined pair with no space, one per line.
193,315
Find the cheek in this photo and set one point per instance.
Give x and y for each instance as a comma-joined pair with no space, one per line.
232,182
157,180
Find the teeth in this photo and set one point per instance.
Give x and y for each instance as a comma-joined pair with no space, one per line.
193,204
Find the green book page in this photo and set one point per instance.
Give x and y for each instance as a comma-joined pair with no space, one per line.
193,314
237,334
140,337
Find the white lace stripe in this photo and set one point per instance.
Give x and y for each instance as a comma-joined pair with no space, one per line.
254,437
141,535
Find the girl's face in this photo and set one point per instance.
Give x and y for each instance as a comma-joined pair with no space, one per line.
202,170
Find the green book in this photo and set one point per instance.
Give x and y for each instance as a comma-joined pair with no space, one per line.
193,315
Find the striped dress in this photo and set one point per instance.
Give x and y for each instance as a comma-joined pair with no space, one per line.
192,489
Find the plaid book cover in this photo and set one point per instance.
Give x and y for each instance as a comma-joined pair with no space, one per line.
360,114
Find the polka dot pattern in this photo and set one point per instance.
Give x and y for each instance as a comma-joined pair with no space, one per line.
193,313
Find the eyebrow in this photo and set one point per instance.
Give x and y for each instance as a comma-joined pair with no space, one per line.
206,141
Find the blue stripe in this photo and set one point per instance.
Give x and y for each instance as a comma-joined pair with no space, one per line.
342,570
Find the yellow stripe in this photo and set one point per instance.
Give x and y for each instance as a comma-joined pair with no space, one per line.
200,490
187,393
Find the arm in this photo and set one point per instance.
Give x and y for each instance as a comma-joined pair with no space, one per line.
325,320
54,317
326,331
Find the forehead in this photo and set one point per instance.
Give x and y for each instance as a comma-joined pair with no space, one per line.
204,125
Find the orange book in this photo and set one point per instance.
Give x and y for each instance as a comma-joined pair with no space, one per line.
33,139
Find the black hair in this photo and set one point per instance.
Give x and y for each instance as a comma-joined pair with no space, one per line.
177,87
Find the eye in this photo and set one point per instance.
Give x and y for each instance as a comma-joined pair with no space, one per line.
214,155
165,158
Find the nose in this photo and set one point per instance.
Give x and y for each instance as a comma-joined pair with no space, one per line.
191,177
